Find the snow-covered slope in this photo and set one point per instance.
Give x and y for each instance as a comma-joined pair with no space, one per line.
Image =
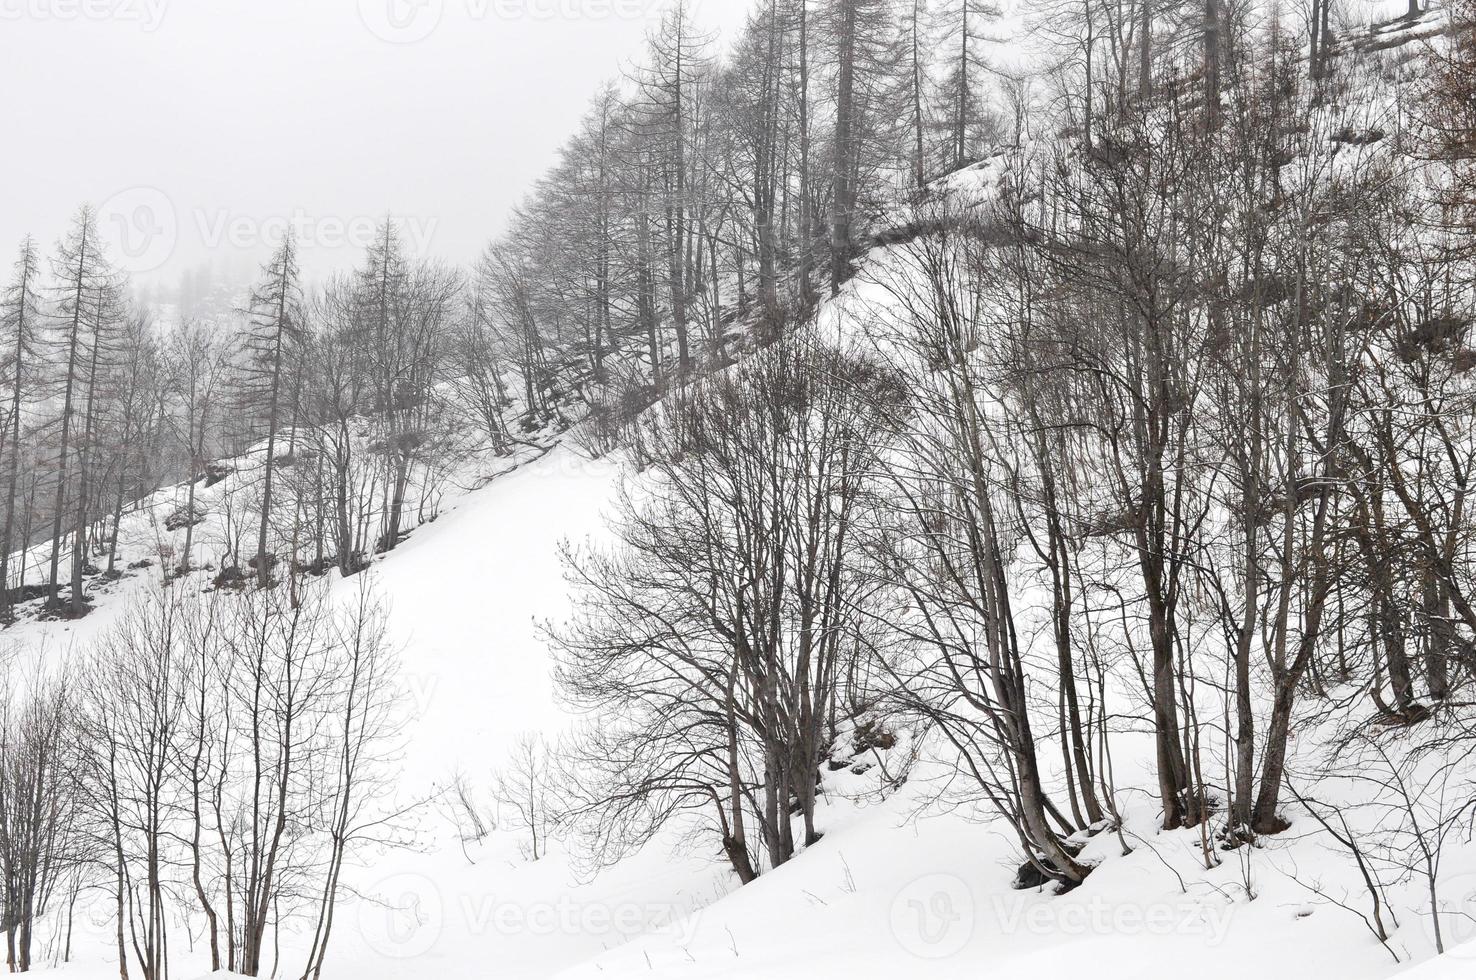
895,888
898,887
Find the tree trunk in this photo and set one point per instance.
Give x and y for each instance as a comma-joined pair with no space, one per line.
843,191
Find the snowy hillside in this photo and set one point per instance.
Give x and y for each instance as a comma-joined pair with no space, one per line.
897,887
878,510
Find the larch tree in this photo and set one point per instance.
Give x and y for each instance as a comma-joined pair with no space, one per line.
86,309
272,342
20,330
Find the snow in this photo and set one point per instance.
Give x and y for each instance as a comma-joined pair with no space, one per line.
1457,964
885,896
899,886
469,591
894,888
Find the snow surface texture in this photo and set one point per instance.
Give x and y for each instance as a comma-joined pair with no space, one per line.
898,887
894,889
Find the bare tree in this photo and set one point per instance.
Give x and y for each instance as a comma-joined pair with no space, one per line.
526,787
39,807
719,632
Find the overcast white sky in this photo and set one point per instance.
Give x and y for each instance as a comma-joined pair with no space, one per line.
200,127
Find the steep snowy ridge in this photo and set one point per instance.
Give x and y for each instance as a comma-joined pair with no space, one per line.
907,880
897,887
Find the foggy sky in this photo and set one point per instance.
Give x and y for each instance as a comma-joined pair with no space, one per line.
201,128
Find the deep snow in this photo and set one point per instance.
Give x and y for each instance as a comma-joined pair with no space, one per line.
898,887
892,890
